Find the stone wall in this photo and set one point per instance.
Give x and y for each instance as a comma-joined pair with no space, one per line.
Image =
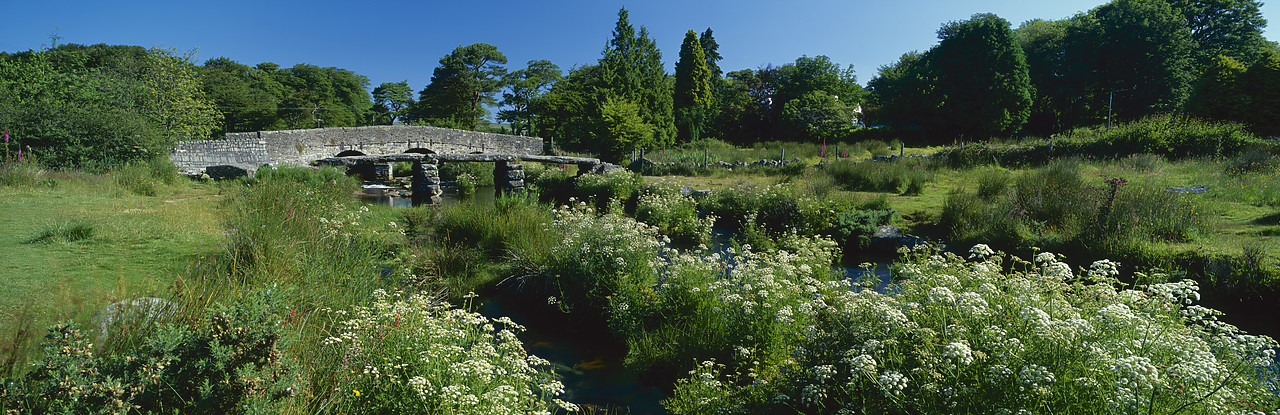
301,147
192,157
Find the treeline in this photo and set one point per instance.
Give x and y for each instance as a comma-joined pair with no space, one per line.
101,106
1124,60
98,106
626,101
81,105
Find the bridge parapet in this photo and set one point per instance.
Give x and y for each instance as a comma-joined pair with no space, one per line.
301,147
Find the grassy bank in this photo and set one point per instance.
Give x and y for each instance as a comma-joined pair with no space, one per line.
73,243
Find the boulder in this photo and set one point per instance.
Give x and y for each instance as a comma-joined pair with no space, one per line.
229,171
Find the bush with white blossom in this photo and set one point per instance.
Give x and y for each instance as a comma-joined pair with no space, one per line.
997,334
413,354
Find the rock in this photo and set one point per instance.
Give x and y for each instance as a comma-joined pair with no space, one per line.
685,191
141,310
229,171
1188,189
515,174
700,193
604,168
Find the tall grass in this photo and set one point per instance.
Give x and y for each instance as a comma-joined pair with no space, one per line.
1055,208
906,177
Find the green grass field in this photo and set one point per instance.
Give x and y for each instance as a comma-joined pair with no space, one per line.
72,248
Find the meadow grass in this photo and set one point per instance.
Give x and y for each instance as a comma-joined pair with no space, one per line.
73,248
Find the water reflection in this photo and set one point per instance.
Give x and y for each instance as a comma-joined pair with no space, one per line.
401,197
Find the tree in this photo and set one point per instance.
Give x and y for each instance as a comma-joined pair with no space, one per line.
903,93
624,128
1224,27
1220,93
693,93
568,114
1043,42
631,69
526,85
982,77
394,98
1262,81
240,94
464,83
1138,45
711,50
816,115
175,101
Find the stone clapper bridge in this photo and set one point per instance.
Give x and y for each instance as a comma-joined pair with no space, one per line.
371,150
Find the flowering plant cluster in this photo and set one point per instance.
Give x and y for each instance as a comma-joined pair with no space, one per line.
996,334
675,215
409,353
596,257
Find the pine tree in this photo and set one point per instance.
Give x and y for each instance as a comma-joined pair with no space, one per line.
692,94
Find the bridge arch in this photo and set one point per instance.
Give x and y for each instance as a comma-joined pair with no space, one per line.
348,153
420,150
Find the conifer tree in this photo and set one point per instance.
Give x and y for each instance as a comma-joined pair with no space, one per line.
632,71
693,87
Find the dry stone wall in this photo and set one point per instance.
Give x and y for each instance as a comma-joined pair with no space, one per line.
301,147
192,157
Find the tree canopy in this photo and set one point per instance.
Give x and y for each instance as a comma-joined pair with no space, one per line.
462,87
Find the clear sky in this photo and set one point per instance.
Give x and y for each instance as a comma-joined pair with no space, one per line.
392,41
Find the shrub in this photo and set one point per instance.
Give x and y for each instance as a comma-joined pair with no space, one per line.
966,337
409,354
732,205
742,307
675,215
854,228
906,177
328,179
593,258
481,172
231,364
604,190
466,184
137,178
1173,136
21,174
993,183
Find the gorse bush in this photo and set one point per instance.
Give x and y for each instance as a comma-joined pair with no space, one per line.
410,354
231,364
959,336
1172,136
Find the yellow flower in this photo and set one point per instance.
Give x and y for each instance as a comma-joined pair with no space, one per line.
357,392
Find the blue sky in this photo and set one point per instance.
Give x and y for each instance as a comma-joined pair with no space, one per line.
404,40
